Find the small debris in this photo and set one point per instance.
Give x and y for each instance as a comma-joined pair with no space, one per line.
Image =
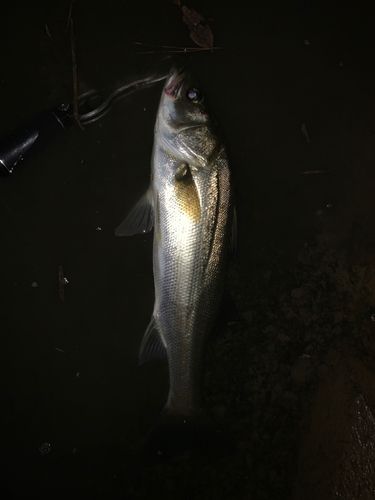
62,281
304,131
57,349
44,449
34,284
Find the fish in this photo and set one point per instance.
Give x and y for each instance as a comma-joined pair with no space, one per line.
190,206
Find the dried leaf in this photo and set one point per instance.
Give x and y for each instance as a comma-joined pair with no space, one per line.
200,32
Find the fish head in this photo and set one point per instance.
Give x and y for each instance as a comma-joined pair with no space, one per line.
183,122
182,102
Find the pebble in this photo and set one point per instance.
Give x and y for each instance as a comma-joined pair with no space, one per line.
248,316
297,293
269,329
322,370
283,337
271,348
337,330
302,371
219,410
338,317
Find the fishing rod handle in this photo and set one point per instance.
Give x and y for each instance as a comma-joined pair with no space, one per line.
34,135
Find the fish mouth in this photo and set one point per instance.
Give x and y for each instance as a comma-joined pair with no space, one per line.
174,83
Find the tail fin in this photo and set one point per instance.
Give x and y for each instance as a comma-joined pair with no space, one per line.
174,432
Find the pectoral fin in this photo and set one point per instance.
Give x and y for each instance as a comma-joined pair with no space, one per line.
140,219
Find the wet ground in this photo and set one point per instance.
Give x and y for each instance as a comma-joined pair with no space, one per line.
295,384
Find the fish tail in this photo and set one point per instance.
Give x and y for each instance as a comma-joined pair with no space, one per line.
176,432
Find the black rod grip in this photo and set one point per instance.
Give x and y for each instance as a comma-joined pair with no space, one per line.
33,136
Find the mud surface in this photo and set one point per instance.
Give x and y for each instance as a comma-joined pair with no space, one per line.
295,382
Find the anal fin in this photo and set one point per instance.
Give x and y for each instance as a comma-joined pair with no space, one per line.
152,346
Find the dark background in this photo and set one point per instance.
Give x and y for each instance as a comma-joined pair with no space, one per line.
283,64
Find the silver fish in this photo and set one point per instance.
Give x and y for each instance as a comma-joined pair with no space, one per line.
190,205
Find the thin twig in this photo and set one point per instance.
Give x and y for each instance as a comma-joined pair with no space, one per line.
182,51
304,131
6,206
61,283
70,14
57,349
74,67
179,49
175,46
316,172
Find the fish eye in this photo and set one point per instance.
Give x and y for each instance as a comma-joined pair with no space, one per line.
194,95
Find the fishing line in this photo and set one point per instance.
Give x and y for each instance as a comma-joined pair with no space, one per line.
48,124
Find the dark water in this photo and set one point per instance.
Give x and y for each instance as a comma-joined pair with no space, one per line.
283,65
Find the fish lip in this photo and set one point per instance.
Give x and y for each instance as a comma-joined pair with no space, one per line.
174,83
